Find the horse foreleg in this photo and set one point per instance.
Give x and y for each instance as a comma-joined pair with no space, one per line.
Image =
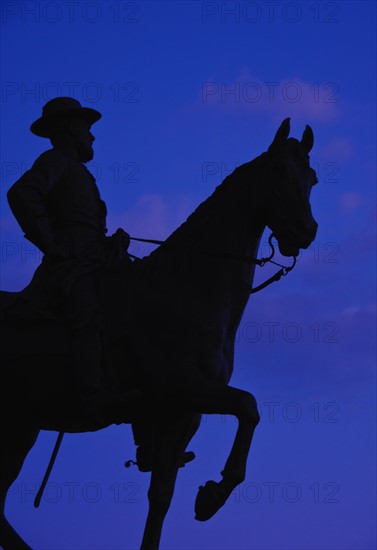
227,400
15,443
213,495
171,442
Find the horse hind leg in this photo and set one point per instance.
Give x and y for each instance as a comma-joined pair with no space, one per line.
16,442
171,442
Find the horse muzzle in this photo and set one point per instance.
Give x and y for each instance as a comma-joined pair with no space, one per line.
299,237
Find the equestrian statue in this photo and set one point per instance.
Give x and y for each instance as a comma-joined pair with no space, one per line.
108,338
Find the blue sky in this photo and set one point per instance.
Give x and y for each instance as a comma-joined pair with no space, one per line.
189,90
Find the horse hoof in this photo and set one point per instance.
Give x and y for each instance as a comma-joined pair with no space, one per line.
209,500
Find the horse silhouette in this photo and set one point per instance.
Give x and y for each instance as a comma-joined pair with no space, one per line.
172,321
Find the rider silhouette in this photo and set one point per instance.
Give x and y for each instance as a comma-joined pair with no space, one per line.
59,208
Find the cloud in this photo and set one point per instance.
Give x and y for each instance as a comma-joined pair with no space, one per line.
350,202
358,328
290,96
338,149
147,218
356,310
152,217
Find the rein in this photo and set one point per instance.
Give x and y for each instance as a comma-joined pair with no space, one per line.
255,261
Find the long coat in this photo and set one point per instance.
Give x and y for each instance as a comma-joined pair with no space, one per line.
58,205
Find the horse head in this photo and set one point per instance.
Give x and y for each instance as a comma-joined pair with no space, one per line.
289,214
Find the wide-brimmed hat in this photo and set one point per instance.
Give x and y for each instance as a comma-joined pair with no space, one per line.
60,108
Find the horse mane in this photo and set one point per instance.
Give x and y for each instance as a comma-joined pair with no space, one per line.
220,201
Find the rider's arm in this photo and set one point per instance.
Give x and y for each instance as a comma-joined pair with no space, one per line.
27,199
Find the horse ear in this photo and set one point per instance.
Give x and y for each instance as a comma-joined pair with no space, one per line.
283,132
307,139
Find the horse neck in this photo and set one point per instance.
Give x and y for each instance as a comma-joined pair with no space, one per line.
231,221
191,280
223,232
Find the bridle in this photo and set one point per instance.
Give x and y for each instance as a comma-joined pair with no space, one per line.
261,262
283,271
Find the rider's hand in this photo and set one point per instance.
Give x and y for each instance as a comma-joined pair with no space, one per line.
123,239
117,246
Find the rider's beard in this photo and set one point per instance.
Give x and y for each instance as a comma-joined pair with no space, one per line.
85,152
